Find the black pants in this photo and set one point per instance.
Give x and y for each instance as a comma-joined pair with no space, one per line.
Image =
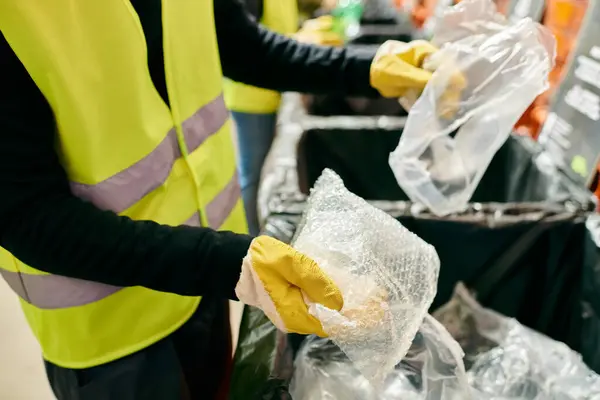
192,363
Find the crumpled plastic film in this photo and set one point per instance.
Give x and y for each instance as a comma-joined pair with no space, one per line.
387,276
487,72
431,370
507,360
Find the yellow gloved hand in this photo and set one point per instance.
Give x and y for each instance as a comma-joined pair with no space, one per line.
319,31
403,69
398,67
322,23
275,278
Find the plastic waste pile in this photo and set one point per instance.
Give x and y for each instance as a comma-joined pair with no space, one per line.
505,361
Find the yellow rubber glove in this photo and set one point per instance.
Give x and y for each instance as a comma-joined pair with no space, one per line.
318,31
275,278
397,67
322,23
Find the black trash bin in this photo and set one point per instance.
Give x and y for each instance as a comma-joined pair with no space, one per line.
521,245
520,215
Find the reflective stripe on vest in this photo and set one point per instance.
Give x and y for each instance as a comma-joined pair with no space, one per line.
124,189
55,291
120,192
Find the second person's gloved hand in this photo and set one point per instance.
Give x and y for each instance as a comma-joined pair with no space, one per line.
275,278
319,31
402,70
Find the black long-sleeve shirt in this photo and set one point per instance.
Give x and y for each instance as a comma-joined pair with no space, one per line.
45,226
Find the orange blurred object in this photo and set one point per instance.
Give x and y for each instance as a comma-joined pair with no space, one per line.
399,4
596,187
502,6
421,11
424,9
564,19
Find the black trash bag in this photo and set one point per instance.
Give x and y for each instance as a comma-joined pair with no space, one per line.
521,246
590,344
263,359
318,149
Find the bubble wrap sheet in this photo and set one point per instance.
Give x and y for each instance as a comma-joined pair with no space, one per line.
387,275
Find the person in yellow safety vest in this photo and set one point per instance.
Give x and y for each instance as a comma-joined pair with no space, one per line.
254,110
122,228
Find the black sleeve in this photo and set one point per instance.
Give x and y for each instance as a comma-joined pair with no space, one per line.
256,56
48,228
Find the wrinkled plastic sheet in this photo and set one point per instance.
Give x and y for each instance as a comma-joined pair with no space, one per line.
505,361
508,360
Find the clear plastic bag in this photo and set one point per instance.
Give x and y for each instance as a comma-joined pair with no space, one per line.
431,370
453,131
387,275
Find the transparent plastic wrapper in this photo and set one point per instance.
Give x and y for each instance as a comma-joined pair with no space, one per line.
487,72
507,360
431,370
387,276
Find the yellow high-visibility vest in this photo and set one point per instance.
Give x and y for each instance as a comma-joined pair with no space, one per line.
280,16
125,150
